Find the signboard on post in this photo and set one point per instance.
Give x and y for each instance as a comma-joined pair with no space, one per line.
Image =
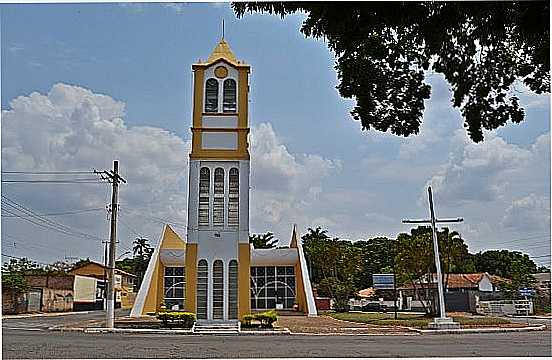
383,281
527,292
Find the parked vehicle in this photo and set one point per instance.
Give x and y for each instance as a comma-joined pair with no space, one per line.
374,306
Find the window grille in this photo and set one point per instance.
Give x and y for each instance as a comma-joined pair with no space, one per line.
233,197
202,281
204,184
229,96
271,285
218,199
211,96
174,287
218,289
233,289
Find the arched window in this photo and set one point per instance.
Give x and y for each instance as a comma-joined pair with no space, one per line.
202,281
229,96
233,197
218,289
204,184
218,199
233,289
211,96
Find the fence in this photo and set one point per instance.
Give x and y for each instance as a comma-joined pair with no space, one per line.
505,307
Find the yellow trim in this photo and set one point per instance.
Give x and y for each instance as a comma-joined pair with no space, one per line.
244,293
300,297
199,76
151,303
219,155
243,97
191,277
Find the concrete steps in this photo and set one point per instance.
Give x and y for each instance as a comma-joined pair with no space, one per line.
218,328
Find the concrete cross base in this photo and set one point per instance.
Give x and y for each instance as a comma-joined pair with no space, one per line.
444,323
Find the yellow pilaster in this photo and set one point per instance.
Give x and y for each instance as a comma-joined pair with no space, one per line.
244,263
191,277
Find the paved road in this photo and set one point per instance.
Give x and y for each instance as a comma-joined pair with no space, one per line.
35,344
29,338
41,323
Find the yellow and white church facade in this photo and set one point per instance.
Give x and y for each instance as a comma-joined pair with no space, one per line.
215,272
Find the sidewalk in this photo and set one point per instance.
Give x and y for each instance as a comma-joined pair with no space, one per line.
22,316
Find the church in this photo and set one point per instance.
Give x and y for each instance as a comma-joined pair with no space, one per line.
214,272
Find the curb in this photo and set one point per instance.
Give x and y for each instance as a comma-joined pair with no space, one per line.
345,334
481,330
23,316
136,331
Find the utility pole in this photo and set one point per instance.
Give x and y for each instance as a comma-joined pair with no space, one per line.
442,322
114,178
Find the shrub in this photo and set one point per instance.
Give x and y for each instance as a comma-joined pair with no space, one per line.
266,319
177,319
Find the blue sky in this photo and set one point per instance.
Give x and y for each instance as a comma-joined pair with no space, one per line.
357,184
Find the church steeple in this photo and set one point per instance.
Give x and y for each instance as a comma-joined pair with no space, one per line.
222,51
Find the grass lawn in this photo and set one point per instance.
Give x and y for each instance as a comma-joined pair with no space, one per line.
411,320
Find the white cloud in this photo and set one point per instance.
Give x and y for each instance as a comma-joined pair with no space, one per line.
479,171
72,128
530,213
285,186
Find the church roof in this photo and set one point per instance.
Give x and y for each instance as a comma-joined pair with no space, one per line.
222,50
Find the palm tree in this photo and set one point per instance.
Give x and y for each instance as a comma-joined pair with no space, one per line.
263,241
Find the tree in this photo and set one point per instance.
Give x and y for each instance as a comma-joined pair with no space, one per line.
376,257
138,264
22,266
263,241
334,266
385,50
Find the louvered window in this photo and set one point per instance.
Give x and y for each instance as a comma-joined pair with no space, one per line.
211,96
233,289
174,287
202,281
204,184
218,199
229,95
218,289
233,197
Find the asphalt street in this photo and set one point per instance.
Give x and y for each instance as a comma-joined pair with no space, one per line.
18,341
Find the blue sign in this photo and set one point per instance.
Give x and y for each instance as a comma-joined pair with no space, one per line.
383,281
527,292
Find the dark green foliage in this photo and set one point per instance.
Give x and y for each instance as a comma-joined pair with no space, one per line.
177,319
384,49
14,282
263,241
334,265
265,319
138,264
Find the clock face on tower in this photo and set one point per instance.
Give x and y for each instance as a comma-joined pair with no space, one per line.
221,72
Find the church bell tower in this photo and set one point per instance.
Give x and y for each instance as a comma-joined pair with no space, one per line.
217,250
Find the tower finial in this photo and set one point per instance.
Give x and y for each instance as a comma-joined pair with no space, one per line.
223,29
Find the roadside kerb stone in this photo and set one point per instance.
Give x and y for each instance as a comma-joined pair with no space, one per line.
481,330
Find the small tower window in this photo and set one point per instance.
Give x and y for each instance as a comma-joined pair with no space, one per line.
233,197
218,199
229,96
211,96
202,288
233,289
204,184
218,289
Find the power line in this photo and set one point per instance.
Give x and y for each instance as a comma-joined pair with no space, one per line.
45,221
48,172
68,212
73,181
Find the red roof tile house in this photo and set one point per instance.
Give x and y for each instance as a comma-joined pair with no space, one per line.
461,290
